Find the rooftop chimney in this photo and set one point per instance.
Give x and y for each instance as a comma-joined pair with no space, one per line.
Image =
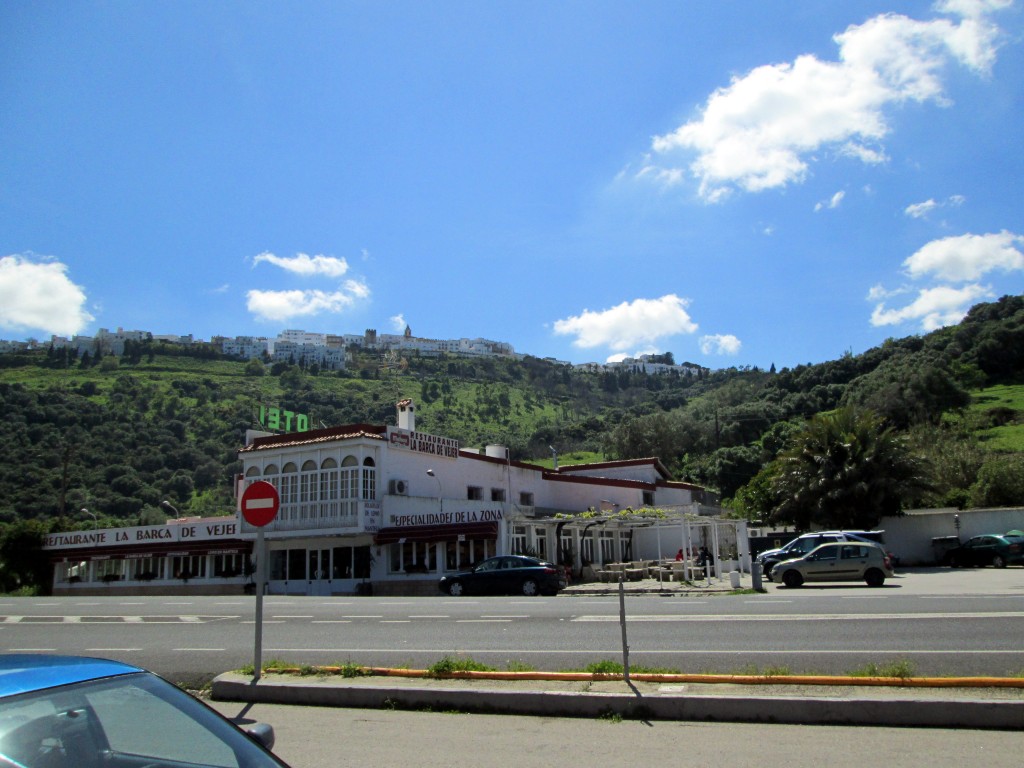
406,415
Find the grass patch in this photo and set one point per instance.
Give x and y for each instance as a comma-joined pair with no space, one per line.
277,665
353,670
998,413
752,670
518,666
448,665
901,669
615,669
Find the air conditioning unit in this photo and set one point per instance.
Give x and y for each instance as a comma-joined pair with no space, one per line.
398,487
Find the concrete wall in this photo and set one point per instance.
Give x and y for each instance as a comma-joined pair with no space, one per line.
910,536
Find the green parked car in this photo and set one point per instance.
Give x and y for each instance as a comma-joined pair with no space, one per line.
995,549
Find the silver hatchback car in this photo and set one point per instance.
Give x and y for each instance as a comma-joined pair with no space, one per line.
838,561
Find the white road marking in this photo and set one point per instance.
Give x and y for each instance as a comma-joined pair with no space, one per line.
116,619
674,652
864,597
811,617
965,597
483,621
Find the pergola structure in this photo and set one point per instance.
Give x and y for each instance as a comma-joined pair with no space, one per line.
597,538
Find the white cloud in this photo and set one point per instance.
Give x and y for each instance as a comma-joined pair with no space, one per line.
282,306
967,257
761,130
636,354
921,210
36,294
954,261
398,323
832,203
305,265
934,307
881,293
720,344
629,324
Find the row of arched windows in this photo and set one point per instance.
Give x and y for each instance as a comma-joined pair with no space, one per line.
320,495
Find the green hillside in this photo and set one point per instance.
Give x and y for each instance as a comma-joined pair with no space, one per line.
119,436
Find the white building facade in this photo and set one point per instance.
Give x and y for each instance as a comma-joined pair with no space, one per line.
387,510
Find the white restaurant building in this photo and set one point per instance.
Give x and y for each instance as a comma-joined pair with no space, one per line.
387,510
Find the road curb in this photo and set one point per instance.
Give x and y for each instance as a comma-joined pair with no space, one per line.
905,710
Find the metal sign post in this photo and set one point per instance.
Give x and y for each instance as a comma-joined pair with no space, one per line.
261,578
260,502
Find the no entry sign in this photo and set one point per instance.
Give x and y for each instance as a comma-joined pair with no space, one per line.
259,503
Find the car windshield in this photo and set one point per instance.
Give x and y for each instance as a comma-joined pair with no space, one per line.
129,720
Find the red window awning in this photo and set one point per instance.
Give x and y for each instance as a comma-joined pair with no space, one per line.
433,533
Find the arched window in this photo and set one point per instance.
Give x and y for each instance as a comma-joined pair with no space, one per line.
252,472
270,469
289,491
329,489
348,490
307,489
369,480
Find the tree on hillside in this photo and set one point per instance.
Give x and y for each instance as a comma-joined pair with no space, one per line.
844,469
909,389
1000,482
22,561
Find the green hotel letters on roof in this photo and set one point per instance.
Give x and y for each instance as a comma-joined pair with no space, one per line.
279,418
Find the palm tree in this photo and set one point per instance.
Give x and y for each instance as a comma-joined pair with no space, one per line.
844,469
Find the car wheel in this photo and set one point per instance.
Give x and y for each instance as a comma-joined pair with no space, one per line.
792,579
874,578
530,588
455,589
999,561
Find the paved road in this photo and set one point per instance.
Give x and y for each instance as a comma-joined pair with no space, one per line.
965,622
312,737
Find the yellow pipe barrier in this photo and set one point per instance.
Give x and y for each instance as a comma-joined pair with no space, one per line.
902,682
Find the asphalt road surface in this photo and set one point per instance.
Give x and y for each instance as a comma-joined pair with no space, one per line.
940,622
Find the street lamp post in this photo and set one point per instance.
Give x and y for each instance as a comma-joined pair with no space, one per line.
440,497
95,520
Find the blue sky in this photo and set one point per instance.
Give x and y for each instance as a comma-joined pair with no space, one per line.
740,183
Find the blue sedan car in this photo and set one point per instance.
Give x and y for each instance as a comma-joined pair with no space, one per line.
75,712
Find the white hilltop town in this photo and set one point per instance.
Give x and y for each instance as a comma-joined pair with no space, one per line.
329,351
